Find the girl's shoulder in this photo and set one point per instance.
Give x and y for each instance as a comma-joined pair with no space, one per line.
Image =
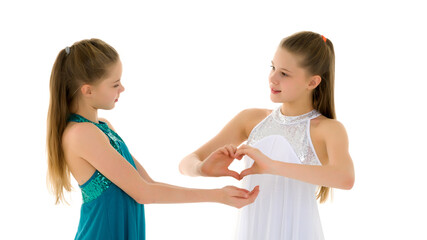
252,117
255,113
328,127
74,131
324,122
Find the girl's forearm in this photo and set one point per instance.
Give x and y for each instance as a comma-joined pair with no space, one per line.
190,165
329,176
165,193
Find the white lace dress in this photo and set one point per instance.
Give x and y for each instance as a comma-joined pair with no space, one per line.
285,208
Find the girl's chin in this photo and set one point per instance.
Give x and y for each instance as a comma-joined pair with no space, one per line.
275,99
108,107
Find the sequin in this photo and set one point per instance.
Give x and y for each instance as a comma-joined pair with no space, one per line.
295,129
94,187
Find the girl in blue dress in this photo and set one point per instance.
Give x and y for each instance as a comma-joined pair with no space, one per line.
86,77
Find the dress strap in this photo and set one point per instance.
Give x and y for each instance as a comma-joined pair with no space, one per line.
74,117
103,126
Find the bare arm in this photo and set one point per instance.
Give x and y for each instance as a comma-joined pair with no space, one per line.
214,157
337,173
92,145
145,175
142,172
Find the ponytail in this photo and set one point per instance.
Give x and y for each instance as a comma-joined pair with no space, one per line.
58,113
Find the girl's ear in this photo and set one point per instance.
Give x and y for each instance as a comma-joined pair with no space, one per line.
314,82
86,90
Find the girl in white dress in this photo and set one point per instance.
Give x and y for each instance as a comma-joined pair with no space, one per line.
290,151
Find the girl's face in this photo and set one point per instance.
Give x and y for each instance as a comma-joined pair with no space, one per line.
106,93
288,81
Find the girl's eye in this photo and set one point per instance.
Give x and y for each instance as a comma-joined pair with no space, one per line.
116,85
283,74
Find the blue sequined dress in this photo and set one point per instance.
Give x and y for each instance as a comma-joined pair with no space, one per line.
108,212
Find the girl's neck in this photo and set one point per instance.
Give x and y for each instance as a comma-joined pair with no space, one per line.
299,106
86,111
90,115
295,109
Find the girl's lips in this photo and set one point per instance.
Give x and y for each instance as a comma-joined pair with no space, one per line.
275,92
116,100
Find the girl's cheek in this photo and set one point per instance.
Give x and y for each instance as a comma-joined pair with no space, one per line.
286,85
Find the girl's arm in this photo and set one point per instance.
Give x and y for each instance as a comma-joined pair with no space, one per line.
91,144
142,172
214,157
338,172
146,177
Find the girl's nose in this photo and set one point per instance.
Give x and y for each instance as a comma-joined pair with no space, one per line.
273,78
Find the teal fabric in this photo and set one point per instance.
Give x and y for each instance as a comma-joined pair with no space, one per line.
107,212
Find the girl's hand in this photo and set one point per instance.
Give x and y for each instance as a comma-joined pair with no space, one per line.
262,163
238,197
217,163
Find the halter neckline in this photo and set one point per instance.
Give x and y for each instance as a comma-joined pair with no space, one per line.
281,118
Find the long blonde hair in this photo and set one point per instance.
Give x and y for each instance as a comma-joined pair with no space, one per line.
318,58
85,62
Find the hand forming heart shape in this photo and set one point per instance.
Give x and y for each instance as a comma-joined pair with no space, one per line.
217,163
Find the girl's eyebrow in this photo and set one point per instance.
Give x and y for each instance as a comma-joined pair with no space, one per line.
116,81
282,68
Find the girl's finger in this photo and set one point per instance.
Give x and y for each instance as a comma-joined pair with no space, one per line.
230,151
253,194
241,193
233,174
246,172
241,147
238,157
244,190
224,151
241,152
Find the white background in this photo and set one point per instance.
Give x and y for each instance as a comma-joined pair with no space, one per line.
188,68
